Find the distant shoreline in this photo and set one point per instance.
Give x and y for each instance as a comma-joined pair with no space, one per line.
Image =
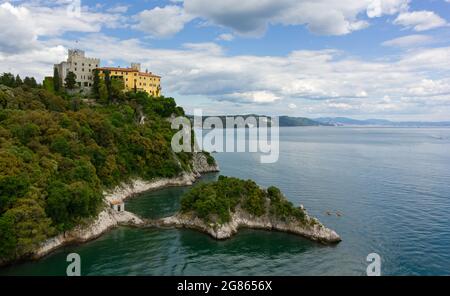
287,121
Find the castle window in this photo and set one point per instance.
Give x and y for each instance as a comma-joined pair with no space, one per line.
82,70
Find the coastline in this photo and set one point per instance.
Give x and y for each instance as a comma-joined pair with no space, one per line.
313,230
108,218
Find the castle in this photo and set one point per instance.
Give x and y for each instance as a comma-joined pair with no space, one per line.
84,67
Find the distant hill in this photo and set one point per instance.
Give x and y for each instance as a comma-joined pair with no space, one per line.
343,121
284,121
300,121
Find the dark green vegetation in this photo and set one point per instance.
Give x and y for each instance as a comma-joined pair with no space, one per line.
10,80
58,154
214,202
71,81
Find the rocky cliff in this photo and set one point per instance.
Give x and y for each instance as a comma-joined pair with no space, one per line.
311,229
107,219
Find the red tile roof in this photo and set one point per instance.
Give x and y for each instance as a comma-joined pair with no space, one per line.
117,69
150,74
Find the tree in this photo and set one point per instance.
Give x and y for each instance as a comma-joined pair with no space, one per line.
48,84
96,85
108,85
11,188
8,79
67,203
7,237
103,92
116,90
56,80
71,80
57,156
30,82
3,100
30,225
18,81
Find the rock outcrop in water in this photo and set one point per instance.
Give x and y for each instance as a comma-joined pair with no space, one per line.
312,229
221,208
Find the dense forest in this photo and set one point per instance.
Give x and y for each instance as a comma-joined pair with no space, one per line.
216,201
58,153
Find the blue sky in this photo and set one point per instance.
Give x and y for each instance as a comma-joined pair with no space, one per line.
357,58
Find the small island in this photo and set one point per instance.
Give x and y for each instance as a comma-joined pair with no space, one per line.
220,208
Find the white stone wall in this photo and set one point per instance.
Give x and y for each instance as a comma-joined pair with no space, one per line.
82,66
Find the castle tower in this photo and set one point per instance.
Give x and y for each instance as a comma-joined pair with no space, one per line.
81,66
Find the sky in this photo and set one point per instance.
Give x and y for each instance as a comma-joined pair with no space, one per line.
386,59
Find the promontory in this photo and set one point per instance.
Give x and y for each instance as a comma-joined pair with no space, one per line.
221,208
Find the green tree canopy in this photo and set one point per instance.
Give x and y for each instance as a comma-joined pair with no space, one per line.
56,80
8,79
96,84
71,80
58,154
30,82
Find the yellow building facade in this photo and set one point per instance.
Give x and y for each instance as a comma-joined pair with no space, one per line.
133,79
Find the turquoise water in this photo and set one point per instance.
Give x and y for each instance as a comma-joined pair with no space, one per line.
392,187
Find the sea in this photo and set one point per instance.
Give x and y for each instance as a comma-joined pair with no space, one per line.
383,190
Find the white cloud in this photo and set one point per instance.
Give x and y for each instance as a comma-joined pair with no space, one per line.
225,37
409,41
252,17
329,17
379,8
118,9
163,22
420,20
37,62
261,97
205,48
22,25
15,31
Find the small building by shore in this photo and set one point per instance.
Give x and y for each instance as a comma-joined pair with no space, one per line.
118,205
